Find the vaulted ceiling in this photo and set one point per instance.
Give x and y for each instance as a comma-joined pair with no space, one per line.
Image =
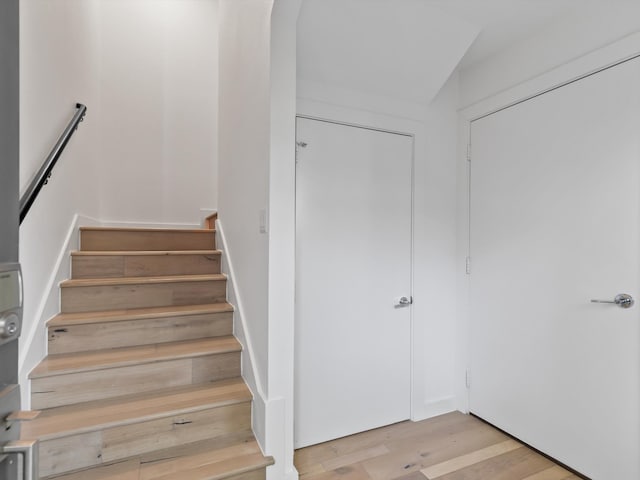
407,49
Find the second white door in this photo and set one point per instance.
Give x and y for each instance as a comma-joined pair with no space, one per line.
555,209
353,264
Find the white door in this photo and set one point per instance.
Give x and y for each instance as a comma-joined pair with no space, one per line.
10,289
353,263
555,213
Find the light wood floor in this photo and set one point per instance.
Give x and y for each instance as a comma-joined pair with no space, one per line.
449,447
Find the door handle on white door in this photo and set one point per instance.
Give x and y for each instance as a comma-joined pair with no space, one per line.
622,300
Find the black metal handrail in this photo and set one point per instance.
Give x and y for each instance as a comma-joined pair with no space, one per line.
41,178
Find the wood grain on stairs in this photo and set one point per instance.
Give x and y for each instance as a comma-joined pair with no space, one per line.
105,359
142,381
125,410
78,318
90,295
67,379
144,264
78,332
230,456
93,433
99,239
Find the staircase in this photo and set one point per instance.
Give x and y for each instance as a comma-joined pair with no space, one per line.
142,380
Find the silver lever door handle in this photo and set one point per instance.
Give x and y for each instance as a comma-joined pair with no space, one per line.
622,300
29,451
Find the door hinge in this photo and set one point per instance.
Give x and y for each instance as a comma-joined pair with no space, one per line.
468,265
467,379
300,145
469,152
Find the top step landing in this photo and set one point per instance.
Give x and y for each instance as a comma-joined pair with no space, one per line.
145,239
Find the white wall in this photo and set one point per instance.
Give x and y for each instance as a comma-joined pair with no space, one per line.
58,43
244,150
158,87
434,311
596,25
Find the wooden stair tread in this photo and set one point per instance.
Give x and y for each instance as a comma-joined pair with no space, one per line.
65,363
106,238
228,458
97,282
138,229
115,253
222,470
90,416
80,318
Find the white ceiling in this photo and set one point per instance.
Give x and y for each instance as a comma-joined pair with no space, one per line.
408,48
505,22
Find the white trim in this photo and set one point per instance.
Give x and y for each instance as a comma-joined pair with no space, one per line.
440,406
586,65
242,333
356,125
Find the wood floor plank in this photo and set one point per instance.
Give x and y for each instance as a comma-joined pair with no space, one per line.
414,454
350,472
554,473
458,463
513,465
451,447
306,458
412,476
355,457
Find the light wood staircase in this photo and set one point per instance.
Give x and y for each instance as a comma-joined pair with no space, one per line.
142,381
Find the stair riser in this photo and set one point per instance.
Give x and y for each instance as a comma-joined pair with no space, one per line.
69,389
175,464
109,297
84,450
97,336
123,240
116,266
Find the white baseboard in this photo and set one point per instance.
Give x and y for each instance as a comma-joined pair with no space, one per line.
440,406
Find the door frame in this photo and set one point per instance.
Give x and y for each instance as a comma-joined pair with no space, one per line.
414,384
592,63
